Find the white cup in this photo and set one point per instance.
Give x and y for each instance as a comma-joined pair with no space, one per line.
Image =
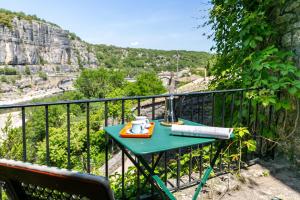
144,119
137,126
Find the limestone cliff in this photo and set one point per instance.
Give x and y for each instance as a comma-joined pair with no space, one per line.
41,43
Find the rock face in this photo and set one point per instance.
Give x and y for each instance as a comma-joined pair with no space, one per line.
39,43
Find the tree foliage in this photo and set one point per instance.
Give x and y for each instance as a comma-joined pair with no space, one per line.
149,59
147,83
249,54
99,82
12,147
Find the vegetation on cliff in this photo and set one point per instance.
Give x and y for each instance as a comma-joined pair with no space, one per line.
158,60
7,16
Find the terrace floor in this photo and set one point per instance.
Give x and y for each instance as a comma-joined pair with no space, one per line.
272,180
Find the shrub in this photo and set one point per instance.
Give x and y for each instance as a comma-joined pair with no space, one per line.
8,71
43,75
27,71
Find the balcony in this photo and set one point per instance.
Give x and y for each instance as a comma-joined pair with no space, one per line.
83,146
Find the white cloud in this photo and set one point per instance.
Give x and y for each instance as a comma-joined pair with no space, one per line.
134,43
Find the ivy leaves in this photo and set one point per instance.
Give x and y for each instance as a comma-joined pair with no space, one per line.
248,51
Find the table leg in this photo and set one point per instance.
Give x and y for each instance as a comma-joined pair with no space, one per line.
152,177
150,168
208,170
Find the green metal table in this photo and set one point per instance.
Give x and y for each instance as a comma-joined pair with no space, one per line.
161,141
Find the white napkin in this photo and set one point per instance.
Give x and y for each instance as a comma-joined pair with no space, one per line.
202,131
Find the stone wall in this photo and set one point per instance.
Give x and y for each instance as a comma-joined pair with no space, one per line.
288,21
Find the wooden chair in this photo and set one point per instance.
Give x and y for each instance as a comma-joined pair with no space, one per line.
25,181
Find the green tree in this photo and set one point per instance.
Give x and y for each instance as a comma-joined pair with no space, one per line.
147,83
98,83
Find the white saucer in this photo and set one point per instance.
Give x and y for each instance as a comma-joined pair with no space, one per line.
148,126
144,131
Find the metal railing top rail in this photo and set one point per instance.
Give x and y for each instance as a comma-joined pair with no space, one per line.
118,99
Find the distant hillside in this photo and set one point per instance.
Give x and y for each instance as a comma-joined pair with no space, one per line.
111,56
29,40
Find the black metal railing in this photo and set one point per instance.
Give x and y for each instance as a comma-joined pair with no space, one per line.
217,108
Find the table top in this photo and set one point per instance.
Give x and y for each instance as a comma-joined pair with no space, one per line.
161,140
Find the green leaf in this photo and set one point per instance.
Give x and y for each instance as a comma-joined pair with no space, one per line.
296,83
252,44
259,38
292,90
250,144
235,157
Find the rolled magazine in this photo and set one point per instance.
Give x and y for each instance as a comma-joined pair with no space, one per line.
201,131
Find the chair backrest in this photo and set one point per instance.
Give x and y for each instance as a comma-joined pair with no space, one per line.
25,181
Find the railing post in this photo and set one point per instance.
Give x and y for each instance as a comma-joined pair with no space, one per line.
88,137
202,109
231,110
190,164
123,175
200,161
241,109
223,109
256,121
213,110
139,107
138,174
223,125
152,165
192,109
69,136
153,108
249,112
269,127
106,139
123,112
24,134
47,135
198,108
165,168
178,169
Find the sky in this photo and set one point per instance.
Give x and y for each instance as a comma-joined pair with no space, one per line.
155,24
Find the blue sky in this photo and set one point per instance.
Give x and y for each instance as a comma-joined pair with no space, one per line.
156,24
